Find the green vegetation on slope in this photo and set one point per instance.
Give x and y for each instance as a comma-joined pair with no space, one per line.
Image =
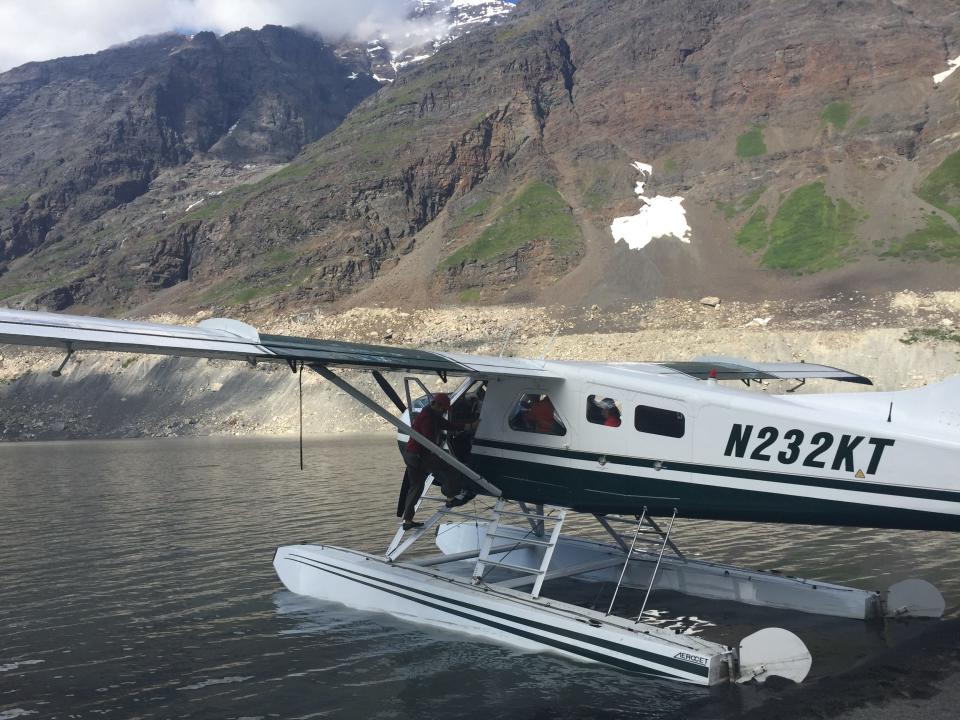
937,241
754,235
477,210
751,143
836,114
470,214
597,195
537,212
810,231
242,290
938,334
12,201
942,186
730,210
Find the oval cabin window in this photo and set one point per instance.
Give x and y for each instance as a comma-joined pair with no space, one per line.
657,421
535,413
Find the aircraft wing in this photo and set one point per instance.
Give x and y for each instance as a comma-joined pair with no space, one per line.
234,340
728,368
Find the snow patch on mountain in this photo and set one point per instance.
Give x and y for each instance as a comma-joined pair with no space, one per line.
659,216
953,66
431,25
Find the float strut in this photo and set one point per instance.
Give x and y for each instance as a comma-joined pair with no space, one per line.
627,561
653,578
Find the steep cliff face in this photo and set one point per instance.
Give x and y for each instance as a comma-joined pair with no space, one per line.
747,148
81,136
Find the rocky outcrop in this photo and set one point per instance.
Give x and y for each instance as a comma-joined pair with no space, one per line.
518,272
123,115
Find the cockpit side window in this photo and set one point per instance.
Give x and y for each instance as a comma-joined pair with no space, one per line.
603,411
535,413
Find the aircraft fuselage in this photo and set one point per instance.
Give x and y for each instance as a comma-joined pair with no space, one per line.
724,453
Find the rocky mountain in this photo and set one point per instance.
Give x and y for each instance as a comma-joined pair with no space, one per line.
575,153
432,25
81,136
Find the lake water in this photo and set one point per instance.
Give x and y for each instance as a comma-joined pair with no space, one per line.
136,581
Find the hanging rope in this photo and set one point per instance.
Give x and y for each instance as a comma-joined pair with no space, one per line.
300,378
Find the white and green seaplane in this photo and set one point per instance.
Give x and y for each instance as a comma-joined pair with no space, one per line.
633,445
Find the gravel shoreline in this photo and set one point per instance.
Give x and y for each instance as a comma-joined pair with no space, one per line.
111,395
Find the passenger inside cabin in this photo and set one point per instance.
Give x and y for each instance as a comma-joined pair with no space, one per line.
535,413
610,411
541,414
603,411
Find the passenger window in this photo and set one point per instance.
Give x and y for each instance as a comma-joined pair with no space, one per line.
658,421
535,413
603,411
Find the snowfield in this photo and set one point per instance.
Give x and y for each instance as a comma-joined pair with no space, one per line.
659,216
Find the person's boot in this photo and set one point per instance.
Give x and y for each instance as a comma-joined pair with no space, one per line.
411,524
462,498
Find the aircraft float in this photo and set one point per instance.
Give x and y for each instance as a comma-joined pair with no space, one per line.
634,446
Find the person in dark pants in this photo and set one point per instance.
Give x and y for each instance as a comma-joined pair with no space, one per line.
421,462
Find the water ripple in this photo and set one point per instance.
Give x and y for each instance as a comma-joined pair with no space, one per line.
138,582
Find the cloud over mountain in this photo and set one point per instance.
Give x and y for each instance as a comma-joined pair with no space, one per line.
44,29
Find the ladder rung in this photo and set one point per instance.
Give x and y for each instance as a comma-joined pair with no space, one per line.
643,531
617,518
640,539
554,518
457,513
511,566
521,541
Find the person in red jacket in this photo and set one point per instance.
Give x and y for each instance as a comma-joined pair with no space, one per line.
420,461
610,411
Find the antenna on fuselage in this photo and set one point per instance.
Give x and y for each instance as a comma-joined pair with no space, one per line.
890,413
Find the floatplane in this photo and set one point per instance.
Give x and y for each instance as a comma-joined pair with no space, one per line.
632,445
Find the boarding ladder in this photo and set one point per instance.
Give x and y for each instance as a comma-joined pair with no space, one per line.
496,545
403,539
535,538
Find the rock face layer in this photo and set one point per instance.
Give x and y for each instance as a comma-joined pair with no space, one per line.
802,139
81,136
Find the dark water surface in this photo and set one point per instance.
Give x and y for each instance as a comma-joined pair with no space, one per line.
136,581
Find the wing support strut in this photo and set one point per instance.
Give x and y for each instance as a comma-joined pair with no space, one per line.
375,407
59,371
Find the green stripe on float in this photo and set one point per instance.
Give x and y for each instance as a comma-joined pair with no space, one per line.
684,666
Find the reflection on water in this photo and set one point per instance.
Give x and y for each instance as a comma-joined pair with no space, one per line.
137,581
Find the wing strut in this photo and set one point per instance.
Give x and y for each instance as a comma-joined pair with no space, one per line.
372,405
388,390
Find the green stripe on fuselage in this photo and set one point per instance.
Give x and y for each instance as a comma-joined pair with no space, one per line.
538,480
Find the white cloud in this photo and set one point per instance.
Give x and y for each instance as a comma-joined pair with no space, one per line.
45,29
